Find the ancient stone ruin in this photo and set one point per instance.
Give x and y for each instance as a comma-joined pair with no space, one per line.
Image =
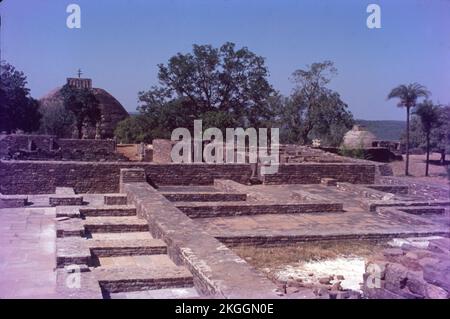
96,225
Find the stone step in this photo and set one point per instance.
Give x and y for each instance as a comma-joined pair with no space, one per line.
72,251
222,209
122,236
80,251
113,210
423,210
114,248
126,279
115,224
68,211
65,200
13,201
204,196
115,199
65,196
70,227
374,205
67,283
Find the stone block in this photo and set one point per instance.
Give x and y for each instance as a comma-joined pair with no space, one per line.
161,151
132,175
115,199
13,201
328,181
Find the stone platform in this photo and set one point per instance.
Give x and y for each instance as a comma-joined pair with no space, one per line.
177,241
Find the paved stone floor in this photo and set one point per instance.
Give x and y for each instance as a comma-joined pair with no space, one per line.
145,261
27,253
282,193
28,236
317,224
353,221
170,293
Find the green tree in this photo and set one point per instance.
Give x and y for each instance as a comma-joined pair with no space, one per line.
18,110
314,110
83,105
408,95
429,118
56,120
227,81
440,137
416,137
135,129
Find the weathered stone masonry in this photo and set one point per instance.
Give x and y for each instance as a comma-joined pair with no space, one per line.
42,177
217,270
49,147
310,173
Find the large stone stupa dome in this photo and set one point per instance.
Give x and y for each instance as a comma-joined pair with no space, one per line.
112,112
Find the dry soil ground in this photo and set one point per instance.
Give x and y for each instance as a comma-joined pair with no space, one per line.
129,150
307,264
439,174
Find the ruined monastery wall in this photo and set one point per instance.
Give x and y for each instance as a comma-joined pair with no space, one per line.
41,177
311,173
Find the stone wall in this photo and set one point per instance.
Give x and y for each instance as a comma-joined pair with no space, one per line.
309,173
48,147
12,201
13,143
108,146
161,151
42,177
226,209
131,175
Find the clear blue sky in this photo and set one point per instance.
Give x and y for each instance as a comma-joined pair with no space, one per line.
121,42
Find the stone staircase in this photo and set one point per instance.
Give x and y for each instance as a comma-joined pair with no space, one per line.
116,253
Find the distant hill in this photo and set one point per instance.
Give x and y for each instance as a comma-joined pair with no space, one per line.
384,130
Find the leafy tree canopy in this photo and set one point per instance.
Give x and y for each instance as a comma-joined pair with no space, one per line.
57,120
314,110
439,128
83,105
213,82
18,110
135,129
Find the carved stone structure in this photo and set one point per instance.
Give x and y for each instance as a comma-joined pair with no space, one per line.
174,230
112,112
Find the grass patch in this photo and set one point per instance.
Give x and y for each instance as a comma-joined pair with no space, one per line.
271,257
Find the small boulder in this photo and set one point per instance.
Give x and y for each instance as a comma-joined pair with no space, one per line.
336,286
393,252
324,280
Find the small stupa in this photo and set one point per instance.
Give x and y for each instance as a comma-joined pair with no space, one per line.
358,137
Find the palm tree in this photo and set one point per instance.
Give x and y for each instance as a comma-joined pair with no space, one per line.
429,117
408,95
